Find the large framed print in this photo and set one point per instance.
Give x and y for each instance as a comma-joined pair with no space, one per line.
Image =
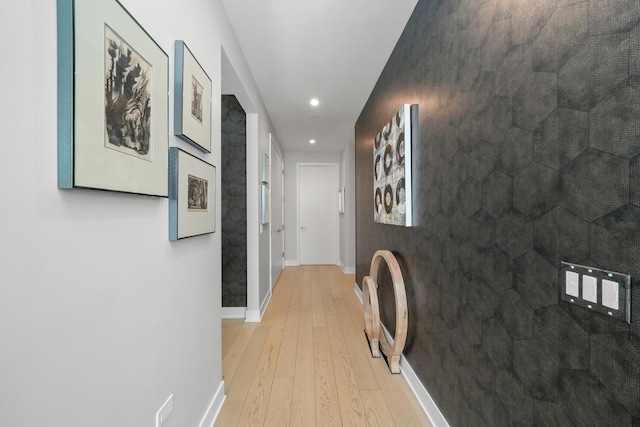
113,112
192,109
192,195
392,168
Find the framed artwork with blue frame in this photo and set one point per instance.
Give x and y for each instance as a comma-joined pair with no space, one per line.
192,195
192,101
113,103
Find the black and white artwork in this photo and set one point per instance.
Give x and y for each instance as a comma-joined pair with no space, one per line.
128,112
196,99
198,194
392,170
192,100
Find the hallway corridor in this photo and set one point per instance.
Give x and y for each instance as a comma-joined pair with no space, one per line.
308,363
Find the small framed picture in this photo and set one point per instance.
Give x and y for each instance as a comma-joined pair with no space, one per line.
113,103
192,106
266,168
192,195
265,202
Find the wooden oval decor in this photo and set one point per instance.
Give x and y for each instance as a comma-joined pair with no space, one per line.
374,329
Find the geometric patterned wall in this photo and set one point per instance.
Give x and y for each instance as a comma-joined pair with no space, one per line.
529,154
233,183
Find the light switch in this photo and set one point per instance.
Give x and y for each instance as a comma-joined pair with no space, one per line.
572,279
610,294
590,288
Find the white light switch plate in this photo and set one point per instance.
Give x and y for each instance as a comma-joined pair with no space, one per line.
590,288
610,294
572,280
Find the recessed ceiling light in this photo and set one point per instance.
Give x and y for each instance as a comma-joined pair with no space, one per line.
314,102
312,141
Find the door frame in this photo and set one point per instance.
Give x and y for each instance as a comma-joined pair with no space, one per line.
337,217
280,176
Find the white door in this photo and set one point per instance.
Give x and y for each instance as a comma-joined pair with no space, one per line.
318,214
277,216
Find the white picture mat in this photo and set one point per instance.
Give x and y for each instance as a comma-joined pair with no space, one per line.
96,166
195,223
198,132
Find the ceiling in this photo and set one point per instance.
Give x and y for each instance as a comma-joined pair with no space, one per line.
332,50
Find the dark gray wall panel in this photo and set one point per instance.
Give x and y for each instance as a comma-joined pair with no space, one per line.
233,171
529,154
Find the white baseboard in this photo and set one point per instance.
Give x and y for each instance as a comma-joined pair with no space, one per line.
234,312
253,316
291,263
347,270
420,392
265,303
214,408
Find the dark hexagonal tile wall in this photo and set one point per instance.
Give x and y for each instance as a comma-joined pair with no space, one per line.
530,118
497,194
602,62
615,123
497,269
535,190
514,233
608,352
562,340
535,99
594,184
561,137
559,236
536,280
536,371
613,236
514,151
587,403
549,414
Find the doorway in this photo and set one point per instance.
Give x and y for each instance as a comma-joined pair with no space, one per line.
318,232
277,213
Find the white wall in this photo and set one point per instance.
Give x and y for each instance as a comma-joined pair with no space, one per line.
348,219
291,160
101,317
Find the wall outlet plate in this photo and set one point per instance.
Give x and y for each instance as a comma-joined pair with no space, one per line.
590,287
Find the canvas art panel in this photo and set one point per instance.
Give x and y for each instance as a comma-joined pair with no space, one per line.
112,101
392,169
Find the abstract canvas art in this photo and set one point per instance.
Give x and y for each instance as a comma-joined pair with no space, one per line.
392,169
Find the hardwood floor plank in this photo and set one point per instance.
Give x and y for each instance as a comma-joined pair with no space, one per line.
237,349
289,344
230,413
376,409
279,410
241,381
348,394
303,409
327,406
230,329
319,320
358,350
257,400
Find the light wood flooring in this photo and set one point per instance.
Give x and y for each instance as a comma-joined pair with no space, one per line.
308,363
